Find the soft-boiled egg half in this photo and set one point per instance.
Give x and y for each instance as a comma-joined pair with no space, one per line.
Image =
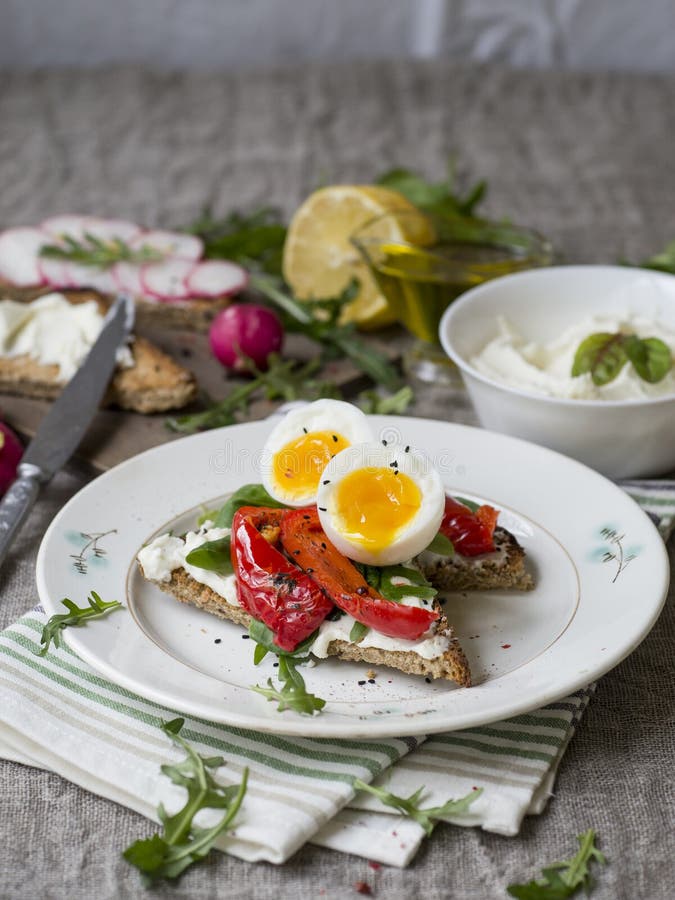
380,504
303,444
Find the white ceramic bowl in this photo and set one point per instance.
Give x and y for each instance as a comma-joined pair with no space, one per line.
621,439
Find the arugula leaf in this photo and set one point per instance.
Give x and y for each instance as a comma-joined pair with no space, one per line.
651,357
283,380
338,339
442,545
246,495
664,261
603,355
470,504
214,556
256,237
409,806
439,197
263,636
293,693
102,254
182,843
563,879
75,616
358,631
374,403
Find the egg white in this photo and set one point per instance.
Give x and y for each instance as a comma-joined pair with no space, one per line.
322,415
419,532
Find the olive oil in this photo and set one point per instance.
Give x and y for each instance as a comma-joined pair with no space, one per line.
420,282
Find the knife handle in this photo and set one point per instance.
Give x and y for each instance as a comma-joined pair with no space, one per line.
17,503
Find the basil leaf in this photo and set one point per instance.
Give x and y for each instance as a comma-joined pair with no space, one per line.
651,357
247,495
259,654
441,545
261,634
601,354
359,631
214,556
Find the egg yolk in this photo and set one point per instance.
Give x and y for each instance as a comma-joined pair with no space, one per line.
297,467
372,505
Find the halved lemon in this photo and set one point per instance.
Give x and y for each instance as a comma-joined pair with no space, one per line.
319,259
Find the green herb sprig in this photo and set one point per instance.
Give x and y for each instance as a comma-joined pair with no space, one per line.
604,355
182,843
663,261
439,198
292,693
563,879
410,806
98,253
284,380
381,578
255,238
76,616
373,402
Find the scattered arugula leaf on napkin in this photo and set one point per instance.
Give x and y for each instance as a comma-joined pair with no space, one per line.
563,879
76,615
181,842
410,806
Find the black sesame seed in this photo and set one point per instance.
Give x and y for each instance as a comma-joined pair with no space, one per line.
371,681
384,442
361,683
395,471
323,508
323,545
335,438
307,517
327,481
305,430
217,641
296,553
393,465
309,571
275,665
407,449
428,680
245,637
362,590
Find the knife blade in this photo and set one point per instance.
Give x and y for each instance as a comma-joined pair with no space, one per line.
64,426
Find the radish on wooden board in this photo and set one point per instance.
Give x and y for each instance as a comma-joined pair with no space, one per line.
20,255
245,330
11,452
170,244
167,280
216,278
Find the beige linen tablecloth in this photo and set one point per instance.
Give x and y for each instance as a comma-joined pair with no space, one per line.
586,159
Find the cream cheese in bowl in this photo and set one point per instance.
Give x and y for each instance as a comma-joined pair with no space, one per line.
545,367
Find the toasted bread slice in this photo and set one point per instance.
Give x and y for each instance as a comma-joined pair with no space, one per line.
195,314
155,382
452,665
504,569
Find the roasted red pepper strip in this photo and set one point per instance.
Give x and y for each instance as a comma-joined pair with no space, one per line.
471,533
303,538
270,587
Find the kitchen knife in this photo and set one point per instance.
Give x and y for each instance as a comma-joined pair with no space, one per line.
65,424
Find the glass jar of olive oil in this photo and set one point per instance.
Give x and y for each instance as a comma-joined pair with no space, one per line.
419,280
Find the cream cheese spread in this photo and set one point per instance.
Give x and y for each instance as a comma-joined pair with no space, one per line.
545,368
53,331
166,553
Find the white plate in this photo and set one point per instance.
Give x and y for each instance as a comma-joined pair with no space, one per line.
600,567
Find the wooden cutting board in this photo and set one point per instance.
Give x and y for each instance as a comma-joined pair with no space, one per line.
116,435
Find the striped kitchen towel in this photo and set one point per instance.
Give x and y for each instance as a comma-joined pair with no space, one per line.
58,714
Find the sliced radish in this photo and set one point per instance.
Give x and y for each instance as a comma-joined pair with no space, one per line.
20,255
167,280
57,273
128,278
170,243
92,277
67,225
109,229
216,278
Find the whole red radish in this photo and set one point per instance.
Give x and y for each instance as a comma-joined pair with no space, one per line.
10,454
245,330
